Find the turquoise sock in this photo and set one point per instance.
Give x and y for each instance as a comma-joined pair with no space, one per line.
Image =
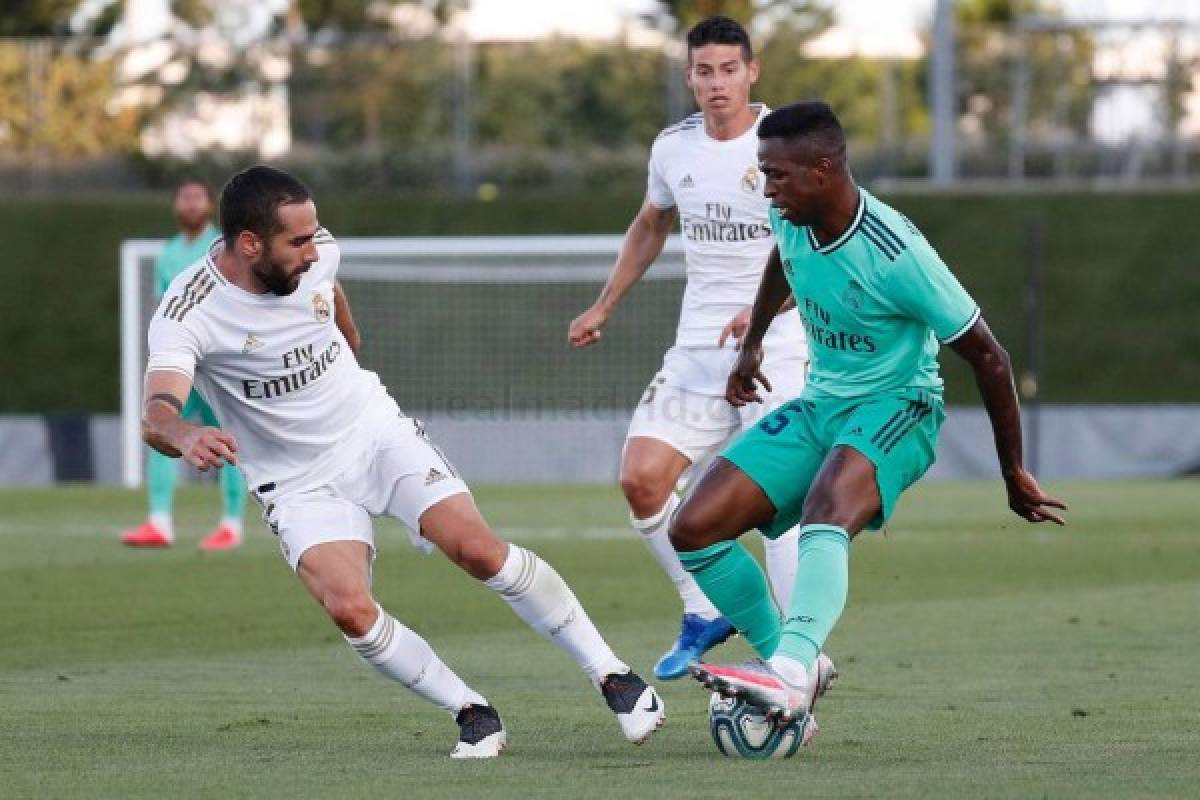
233,485
822,581
233,491
161,472
738,588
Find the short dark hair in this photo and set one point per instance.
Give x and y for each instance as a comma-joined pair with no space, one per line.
192,180
251,199
813,121
719,30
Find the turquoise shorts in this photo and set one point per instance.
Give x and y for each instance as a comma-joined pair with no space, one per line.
897,431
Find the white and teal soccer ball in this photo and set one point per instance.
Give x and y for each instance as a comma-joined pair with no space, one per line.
743,731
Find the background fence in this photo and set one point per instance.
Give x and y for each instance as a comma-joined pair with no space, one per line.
995,95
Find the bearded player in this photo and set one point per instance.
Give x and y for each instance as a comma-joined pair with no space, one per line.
325,449
703,172
877,302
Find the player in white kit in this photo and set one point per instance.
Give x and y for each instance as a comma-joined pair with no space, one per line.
704,172
324,448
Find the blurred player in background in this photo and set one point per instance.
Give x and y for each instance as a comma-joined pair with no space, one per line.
326,449
703,172
193,206
877,301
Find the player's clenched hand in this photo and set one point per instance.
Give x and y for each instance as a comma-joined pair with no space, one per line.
736,328
206,448
585,329
1027,499
741,387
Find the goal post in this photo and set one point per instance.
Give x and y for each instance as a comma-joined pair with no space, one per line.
469,330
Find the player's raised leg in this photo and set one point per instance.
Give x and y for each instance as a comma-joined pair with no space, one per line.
650,470
724,505
542,599
841,501
337,574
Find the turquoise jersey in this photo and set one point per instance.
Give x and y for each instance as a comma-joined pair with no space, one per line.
178,255
875,303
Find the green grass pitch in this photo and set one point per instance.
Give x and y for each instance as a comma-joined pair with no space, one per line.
980,657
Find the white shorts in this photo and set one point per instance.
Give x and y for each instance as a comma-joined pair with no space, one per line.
685,404
401,473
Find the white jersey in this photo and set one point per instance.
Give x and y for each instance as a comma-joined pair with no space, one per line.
717,188
276,370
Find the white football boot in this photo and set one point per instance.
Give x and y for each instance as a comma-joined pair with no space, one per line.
480,733
826,674
640,711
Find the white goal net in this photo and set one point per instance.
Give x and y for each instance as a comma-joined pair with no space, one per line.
470,334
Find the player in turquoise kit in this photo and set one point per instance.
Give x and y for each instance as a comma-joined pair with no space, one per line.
193,208
877,302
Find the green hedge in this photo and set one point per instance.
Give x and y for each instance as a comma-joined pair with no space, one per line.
1122,284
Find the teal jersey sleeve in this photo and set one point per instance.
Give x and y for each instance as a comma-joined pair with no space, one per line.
922,286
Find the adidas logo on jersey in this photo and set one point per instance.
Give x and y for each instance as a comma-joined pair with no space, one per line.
434,476
687,183
252,343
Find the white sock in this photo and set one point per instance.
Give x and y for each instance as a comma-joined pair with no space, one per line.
654,534
164,523
790,669
403,656
783,558
541,598
233,523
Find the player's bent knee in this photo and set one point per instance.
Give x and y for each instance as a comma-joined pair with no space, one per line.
850,515
690,530
481,556
354,613
645,491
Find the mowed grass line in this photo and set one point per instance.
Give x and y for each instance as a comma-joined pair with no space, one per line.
979,656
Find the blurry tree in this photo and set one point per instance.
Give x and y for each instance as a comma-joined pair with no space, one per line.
370,93
566,94
341,15
35,17
798,14
53,106
991,48
357,16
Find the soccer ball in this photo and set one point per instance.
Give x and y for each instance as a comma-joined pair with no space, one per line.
743,731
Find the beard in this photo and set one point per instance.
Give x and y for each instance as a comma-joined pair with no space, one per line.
278,279
192,220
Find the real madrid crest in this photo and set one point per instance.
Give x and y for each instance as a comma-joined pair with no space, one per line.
320,307
750,179
854,296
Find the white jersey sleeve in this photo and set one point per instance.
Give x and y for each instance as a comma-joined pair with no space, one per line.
658,191
172,343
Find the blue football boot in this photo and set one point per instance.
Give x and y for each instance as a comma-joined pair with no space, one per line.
697,636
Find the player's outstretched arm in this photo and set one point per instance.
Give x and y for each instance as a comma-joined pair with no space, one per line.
993,375
167,432
344,319
643,243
